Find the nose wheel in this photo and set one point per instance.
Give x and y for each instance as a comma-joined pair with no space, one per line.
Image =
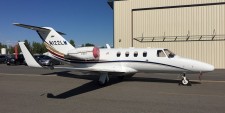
184,81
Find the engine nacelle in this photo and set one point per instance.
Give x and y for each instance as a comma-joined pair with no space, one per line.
84,53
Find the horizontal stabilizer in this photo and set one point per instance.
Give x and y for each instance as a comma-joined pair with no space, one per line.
28,57
36,28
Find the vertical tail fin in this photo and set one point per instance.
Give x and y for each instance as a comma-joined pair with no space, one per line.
52,39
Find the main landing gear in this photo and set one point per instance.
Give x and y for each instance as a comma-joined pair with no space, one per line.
103,79
184,81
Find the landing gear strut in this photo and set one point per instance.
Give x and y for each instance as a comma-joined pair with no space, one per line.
184,81
103,79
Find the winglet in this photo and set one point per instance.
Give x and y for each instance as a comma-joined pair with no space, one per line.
28,57
108,46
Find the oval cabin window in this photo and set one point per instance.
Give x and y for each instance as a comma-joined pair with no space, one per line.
145,54
127,54
135,54
118,54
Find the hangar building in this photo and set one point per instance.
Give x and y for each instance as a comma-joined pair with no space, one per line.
190,28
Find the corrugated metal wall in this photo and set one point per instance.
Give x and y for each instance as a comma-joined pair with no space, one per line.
132,21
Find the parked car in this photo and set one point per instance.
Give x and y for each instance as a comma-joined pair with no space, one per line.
3,59
47,61
38,57
11,60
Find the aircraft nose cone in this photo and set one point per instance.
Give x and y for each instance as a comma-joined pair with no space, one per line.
204,67
209,67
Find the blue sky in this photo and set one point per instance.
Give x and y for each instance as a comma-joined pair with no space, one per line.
85,21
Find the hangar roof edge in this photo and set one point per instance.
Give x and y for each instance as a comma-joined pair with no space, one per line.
111,2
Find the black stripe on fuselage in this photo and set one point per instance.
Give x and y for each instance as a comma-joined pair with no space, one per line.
122,61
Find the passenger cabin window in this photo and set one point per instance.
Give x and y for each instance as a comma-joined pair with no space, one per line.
169,53
145,54
160,53
118,54
135,54
127,54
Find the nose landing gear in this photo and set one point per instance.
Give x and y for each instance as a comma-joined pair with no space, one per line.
184,81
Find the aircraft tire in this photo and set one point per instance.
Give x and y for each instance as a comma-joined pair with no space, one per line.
185,82
102,84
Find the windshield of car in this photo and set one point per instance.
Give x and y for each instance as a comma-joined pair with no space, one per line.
39,56
46,57
169,53
2,56
11,56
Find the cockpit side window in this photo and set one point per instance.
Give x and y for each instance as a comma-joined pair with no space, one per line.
160,53
169,53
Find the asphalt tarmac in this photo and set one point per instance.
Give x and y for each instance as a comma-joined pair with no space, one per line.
31,90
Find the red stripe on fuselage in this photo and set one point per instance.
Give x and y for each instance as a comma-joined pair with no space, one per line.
55,54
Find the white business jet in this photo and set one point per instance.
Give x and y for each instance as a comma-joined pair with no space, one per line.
109,61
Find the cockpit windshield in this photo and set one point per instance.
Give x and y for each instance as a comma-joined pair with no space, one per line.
169,53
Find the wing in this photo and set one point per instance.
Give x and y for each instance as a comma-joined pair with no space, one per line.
28,57
33,63
102,69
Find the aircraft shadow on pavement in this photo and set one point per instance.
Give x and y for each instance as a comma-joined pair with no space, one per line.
93,85
159,80
87,87
71,75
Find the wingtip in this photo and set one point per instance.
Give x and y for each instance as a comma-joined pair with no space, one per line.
21,42
15,23
108,46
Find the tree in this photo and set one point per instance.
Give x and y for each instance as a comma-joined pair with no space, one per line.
11,49
18,48
27,44
43,48
34,48
38,48
3,45
72,43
